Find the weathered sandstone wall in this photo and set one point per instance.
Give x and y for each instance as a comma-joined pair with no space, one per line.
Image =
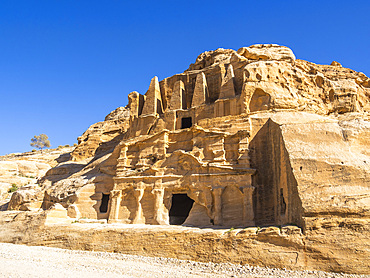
330,248
242,139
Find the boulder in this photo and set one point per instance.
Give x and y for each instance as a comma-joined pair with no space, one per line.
267,52
26,198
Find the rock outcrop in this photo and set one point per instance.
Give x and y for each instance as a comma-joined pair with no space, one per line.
23,171
245,138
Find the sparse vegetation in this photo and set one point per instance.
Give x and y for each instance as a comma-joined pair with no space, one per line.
13,188
230,230
40,141
24,176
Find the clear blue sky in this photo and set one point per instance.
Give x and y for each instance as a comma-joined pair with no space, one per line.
66,64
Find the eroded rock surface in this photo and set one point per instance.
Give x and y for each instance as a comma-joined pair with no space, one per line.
245,138
23,170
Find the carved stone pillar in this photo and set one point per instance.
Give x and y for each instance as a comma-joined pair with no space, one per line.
200,93
135,103
159,213
178,100
217,213
227,84
248,213
153,99
138,194
115,197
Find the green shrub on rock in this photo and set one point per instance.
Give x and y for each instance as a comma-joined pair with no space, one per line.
13,188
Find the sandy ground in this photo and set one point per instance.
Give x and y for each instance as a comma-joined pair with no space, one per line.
36,261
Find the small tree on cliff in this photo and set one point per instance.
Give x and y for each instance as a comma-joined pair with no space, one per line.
40,141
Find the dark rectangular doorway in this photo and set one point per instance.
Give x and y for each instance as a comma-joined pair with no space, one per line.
180,208
104,203
186,122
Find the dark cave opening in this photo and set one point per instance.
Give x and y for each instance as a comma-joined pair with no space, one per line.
180,208
104,203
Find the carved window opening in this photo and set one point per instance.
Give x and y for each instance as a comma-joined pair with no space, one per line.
104,203
180,208
282,202
159,107
186,122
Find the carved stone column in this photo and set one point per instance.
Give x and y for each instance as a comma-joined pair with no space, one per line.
248,213
115,197
217,213
159,213
138,194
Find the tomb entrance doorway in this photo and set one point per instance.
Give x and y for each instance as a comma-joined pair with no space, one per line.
181,205
104,203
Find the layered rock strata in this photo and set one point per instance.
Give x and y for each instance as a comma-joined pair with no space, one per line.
233,139
245,138
22,170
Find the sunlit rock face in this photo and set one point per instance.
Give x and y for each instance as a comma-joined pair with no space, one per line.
245,138
241,138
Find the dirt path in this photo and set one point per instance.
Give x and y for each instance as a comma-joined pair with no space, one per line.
35,261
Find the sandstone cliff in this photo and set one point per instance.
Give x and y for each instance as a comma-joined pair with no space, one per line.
245,138
22,170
